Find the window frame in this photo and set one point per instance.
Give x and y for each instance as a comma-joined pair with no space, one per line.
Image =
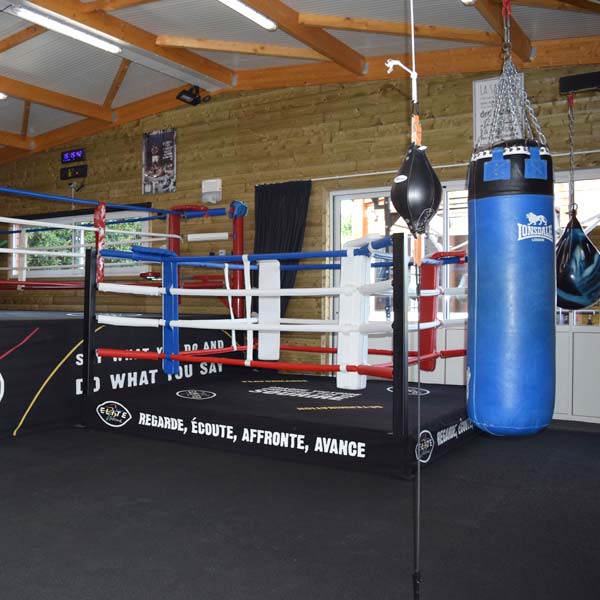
452,185
17,264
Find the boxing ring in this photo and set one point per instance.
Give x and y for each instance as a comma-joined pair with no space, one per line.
102,228
244,397
40,351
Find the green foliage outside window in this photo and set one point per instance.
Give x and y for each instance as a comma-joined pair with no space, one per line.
67,241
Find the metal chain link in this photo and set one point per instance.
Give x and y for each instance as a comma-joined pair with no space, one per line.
512,109
572,205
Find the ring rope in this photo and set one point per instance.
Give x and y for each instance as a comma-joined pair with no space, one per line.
229,303
250,333
250,324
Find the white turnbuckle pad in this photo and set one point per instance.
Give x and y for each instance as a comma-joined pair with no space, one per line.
269,310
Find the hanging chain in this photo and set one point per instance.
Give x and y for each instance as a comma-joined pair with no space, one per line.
506,16
513,114
571,104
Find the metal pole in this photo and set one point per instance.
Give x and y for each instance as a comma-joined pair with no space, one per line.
89,315
400,340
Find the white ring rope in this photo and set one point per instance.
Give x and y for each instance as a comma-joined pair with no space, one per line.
258,293
71,267
51,225
38,253
130,321
229,296
48,224
250,334
457,291
144,233
137,290
380,288
251,325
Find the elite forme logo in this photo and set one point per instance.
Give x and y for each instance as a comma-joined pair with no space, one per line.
537,228
113,414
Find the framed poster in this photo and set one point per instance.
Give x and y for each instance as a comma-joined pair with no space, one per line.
484,92
159,158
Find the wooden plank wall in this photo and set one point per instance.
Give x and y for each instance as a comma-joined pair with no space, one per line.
281,135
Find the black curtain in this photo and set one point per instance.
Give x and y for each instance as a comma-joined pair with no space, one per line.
280,213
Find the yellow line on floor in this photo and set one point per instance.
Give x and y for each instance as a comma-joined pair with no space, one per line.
47,381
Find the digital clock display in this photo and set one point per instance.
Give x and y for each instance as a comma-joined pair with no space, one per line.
70,156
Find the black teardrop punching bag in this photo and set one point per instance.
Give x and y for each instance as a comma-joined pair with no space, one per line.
577,268
417,191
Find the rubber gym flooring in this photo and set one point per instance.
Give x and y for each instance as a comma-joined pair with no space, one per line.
95,515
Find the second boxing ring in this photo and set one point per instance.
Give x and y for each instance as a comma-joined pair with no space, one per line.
243,405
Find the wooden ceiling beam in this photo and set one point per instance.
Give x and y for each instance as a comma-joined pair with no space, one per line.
21,36
117,82
254,48
14,140
25,118
140,38
552,5
550,53
585,5
26,91
435,32
108,5
492,13
317,39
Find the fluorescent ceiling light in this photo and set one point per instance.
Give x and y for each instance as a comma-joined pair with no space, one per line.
250,13
62,28
3,96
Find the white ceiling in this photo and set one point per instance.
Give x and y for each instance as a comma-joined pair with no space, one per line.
201,19
142,83
11,112
449,13
61,64
75,69
544,24
43,119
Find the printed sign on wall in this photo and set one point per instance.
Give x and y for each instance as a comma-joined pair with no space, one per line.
159,161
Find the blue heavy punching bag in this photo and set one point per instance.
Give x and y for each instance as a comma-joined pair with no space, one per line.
511,350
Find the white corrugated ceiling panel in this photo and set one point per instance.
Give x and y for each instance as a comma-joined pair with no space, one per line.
62,64
11,115
10,25
544,24
43,119
200,19
371,44
141,82
448,13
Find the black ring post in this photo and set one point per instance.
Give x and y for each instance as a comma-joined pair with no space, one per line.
89,316
400,345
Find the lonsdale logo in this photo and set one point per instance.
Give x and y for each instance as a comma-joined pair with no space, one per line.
536,228
113,414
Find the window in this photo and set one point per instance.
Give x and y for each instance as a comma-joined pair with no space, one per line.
62,251
359,212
